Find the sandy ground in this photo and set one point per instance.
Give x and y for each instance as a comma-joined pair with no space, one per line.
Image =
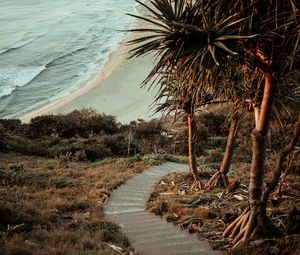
115,91
120,94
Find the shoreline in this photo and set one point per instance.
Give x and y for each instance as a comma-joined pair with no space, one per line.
117,57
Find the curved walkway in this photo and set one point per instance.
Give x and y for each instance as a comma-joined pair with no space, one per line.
148,233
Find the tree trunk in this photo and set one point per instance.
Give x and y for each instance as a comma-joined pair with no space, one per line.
259,136
250,222
228,154
282,156
192,139
220,178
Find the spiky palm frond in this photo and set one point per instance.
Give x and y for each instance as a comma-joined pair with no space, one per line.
193,43
193,38
213,47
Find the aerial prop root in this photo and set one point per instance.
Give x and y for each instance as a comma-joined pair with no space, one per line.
196,185
241,228
218,179
248,226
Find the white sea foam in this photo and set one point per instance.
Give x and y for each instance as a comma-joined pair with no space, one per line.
11,78
71,39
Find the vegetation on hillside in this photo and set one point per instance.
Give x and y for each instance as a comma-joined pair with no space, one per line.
240,55
48,203
50,206
88,136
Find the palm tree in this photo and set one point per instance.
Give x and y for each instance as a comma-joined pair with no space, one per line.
279,167
272,56
191,42
200,41
178,99
248,98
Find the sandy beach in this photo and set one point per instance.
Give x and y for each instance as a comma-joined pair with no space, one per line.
115,90
120,94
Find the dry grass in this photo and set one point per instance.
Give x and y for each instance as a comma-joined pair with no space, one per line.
58,208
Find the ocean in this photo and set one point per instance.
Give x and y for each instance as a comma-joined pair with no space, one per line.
51,48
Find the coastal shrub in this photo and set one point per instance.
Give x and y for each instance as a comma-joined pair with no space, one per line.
91,149
12,126
57,147
87,135
216,142
96,149
215,124
2,130
81,123
25,146
243,151
80,155
149,137
39,147
44,125
181,141
118,144
87,122
214,156
14,143
148,130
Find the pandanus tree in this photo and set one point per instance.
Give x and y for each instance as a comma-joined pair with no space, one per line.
200,38
272,55
243,93
235,92
183,100
190,39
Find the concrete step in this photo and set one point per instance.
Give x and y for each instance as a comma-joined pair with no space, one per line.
148,233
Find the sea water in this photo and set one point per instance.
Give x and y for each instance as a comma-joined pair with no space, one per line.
50,48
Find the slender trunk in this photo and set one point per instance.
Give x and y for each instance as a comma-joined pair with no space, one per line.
252,222
282,156
228,154
129,142
220,178
259,135
192,137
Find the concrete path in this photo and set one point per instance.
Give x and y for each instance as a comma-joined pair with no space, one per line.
146,232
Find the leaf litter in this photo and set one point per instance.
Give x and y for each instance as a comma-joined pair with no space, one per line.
207,213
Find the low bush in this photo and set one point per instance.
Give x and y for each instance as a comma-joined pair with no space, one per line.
11,126
147,130
215,124
214,156
181,141
243,151
95,149
45,125
87,135
83,123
